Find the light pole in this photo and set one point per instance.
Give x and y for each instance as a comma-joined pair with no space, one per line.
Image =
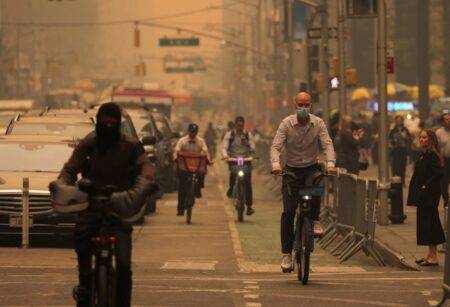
341,56
323,62
383,170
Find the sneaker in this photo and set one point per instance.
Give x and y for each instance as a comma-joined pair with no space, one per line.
229,193
180,213
250,211
286,263
318,230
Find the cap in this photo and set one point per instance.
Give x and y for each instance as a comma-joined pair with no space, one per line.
193,128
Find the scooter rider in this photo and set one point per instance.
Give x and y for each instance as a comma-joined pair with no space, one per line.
303,136
108,158
239,143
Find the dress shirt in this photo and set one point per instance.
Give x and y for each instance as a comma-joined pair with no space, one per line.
302,143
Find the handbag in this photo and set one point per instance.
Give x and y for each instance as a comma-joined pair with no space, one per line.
363,161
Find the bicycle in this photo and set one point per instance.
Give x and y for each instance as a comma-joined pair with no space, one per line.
195,165
304,232
241,168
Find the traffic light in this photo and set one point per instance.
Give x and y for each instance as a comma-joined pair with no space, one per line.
351,76
137,37
335,67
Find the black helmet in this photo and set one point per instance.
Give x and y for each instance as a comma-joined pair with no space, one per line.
193,128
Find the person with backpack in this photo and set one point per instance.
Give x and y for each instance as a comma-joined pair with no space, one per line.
239,143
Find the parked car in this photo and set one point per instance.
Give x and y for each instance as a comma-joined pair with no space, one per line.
166,144
40,159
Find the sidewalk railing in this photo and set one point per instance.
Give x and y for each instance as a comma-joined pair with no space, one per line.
446,284
353,217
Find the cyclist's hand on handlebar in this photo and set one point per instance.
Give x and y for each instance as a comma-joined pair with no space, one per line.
276,170
331,170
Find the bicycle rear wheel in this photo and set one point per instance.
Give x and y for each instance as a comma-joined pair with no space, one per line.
102,286
190,197
303,256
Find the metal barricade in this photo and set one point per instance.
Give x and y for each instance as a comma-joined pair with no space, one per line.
354,202
446,284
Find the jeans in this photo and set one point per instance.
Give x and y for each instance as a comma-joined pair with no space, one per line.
290,203
445,180
247,181
83,248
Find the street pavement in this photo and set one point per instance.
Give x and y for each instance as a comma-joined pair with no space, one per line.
214,262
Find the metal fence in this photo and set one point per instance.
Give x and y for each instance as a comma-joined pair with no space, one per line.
351,217
446,284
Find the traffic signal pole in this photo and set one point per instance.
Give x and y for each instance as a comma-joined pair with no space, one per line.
323,62
383,169
341,56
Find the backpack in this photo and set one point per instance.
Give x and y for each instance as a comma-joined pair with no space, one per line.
233,134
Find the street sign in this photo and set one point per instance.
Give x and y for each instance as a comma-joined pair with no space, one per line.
179,42
179,69
316,33
362,8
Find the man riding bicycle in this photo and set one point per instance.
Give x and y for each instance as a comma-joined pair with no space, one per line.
108,158
238,143
302,136
190,143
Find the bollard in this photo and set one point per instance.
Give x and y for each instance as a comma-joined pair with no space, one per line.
25,212
446,284
382,210
396,196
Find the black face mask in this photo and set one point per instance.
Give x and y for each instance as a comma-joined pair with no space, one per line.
107,136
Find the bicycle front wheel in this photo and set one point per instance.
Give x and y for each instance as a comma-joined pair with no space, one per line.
240,202
304,254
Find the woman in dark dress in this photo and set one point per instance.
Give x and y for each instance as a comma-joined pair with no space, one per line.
424,193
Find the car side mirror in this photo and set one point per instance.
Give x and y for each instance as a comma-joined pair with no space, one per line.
149,140
176,135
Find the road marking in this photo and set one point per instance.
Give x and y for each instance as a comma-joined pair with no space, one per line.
250,304
249,287
170,203
251,296
433,303
250,282
426,293
190,265
332,299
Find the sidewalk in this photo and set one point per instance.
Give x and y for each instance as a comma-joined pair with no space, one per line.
401,238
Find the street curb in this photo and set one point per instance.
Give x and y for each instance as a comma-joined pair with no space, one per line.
392,257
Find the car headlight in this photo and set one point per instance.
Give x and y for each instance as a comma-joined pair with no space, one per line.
241,173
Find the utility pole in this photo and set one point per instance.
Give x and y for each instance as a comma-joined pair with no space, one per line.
17,94
423,63
383,170
341,57
446,25
323,62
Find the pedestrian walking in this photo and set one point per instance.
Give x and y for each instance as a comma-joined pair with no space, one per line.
348,149
424,193
443,135
400,140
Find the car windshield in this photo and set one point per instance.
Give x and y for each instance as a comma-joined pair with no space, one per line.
5,119
142,124
76,131
162,126
33,157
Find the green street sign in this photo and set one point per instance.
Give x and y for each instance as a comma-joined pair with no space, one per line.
188,69
179,42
